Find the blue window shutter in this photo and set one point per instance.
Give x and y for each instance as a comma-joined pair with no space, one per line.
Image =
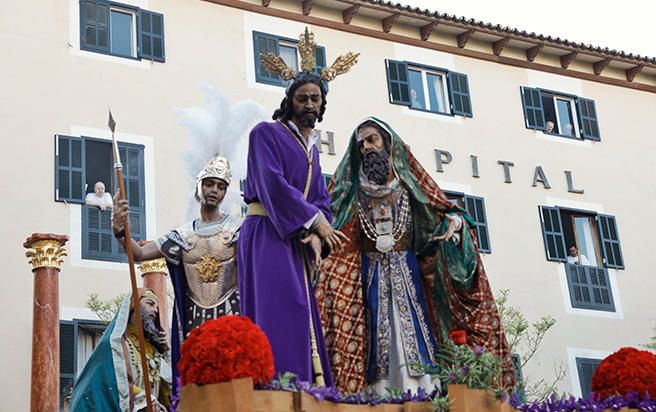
262,44
589,287
397,82
133,179
585,368
97,236
610,242
94,25
552,231
533,112
70,179
588,119
67,358
459,94
475,207
150,35
320,57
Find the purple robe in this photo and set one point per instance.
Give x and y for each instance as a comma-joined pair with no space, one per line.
271,283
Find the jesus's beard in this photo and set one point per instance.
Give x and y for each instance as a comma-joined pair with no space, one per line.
375,165
307,120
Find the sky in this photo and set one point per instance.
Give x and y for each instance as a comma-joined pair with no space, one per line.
626,25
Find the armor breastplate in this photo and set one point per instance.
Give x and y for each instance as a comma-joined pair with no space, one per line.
211,268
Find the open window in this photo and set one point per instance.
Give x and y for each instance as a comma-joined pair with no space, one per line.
80,164
560,114
121,30
588,244
429,89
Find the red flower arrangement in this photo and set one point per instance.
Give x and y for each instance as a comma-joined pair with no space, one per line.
223,349
625,371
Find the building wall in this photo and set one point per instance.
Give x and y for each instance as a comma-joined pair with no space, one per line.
55,88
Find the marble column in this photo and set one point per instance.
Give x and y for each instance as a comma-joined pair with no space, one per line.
154,275
45,255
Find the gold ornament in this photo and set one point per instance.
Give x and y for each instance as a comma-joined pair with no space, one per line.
46,253
341,65
307,50
208,267
153,266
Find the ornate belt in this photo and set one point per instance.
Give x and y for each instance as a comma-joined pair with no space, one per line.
256,209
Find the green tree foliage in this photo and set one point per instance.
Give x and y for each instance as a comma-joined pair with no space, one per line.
104,309
524,339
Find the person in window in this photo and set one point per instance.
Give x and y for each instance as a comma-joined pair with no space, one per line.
99,197
568,130
414,103
201,257
575,258
409,274
105,384
550,126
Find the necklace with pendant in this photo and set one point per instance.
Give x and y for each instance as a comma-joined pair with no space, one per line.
381,230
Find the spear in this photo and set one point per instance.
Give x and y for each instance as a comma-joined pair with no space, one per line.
133,279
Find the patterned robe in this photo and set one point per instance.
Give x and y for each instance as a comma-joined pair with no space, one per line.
458,294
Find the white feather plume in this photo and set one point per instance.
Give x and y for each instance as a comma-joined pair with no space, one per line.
218,129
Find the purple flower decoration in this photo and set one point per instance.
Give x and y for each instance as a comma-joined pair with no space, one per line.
478,351
464,370
453,377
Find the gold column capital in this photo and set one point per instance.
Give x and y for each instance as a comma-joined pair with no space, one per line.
153,266
45,250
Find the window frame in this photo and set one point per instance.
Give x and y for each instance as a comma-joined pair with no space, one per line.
577,116
117,255
135,12
424,70
572,99
287,42
600,240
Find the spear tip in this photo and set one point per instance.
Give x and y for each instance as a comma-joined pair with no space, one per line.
111,123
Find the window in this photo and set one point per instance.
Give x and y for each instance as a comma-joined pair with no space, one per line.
475,208
80,162
428,88
120,30
585,368
594,235
77,340
597,245
560,114
287,49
